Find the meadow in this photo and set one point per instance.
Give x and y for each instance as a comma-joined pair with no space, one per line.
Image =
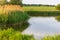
15,17
39,8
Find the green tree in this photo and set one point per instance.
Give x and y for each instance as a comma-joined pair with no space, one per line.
58,7
3,2
16,2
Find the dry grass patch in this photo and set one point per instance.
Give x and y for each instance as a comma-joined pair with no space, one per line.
7,8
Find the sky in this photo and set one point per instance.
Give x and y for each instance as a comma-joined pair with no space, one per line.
49,2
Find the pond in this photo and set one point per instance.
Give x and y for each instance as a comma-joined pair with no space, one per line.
41,26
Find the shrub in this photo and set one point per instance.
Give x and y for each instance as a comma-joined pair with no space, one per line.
58,7
3,2
11,34
3,18
17,17
14,19
57,18
16,2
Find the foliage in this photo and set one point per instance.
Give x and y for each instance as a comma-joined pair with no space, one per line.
3,2
38,5
3,18
43,13
14,19
17,17
57,18
11,34
58,7
16,2
55,37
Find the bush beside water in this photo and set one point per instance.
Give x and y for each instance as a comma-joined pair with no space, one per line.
12,23
57,18
58,7
14,19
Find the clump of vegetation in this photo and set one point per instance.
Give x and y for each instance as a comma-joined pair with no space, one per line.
16,2
11,34
57,18
14,19
55,37
17,20
17,17
43,13
58,7
3,18
13,2
3,2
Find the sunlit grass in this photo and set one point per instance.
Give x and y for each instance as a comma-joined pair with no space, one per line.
7,8
54,37
39,8
11,34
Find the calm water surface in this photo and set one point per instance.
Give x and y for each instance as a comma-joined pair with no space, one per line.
41,26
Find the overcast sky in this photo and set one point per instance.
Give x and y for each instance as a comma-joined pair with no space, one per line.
50,2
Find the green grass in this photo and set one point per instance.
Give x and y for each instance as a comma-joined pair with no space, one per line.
39,8
41,11
54,37
11,34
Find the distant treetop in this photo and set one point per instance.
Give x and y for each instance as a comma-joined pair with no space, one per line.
13,2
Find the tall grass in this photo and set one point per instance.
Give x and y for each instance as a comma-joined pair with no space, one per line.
11,34
17,17
55,37
14,19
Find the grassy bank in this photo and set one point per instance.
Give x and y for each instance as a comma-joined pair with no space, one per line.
39,8
11,34
43,13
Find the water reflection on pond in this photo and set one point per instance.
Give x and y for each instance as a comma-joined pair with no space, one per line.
40,26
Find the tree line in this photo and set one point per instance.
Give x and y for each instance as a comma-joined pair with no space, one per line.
37,5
